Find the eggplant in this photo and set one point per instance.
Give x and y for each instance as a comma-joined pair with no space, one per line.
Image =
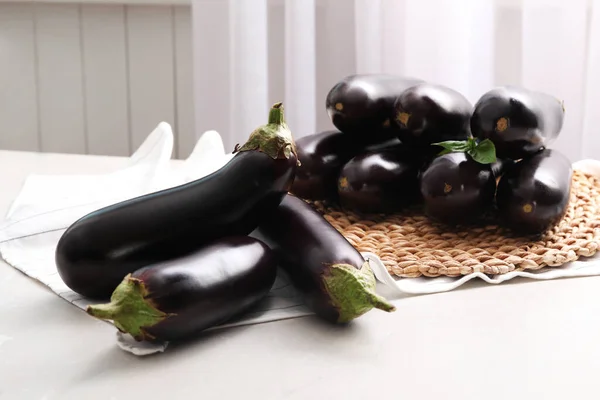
380,182
100,249
363,104
501,166
534,194
178,298
457,189
322,156
334,278
430,113
519,121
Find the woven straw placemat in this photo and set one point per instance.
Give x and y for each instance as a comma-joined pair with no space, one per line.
411,245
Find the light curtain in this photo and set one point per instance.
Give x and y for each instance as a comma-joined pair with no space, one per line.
249,54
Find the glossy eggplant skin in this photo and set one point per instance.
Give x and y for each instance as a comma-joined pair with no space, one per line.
430,113
534,194
501,166
178,298
306,245
363,104
456,189
208,287
322,156
380,182
100,249
519,121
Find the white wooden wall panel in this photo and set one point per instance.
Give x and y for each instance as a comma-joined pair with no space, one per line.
184,71
151,70
336,54
18,99
105,77
61,92
211,66
276,44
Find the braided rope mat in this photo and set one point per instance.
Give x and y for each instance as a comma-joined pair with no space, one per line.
411,245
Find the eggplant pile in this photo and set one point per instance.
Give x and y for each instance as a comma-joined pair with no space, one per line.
181,260
402,142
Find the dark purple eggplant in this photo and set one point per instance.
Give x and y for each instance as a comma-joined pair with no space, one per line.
501,166
97,251
429,113
178,298
519,121
363,104
534,194
322,156
456,189
380,182
336,281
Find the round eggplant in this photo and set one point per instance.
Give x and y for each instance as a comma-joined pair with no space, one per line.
363,104
429,113
534,194
380,182
178,298
336,281
456,189
520,122
97,251
322,156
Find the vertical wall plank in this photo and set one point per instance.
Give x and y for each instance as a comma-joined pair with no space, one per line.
18,102
336,53
300,73
276,51
151,71
61,93
183,80
105,77
211,67
249,78
508,45
548,26
368,18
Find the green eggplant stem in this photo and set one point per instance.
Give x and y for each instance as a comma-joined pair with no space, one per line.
352,291
130,309
274,138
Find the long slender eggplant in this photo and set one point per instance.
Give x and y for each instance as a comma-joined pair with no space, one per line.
519,121
336,281
430,113
533,195
456,189
178,298
363,104
380,182
97,251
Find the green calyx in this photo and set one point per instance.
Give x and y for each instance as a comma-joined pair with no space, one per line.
130,310
483,152
274,138
352,291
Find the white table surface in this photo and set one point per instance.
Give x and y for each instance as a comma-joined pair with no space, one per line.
521,340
